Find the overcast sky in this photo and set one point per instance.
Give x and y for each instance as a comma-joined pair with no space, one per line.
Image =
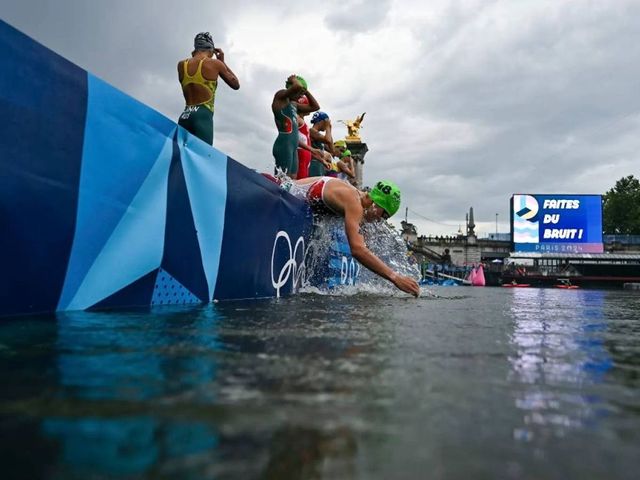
467,101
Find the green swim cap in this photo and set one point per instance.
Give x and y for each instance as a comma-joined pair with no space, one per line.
302,81
386,195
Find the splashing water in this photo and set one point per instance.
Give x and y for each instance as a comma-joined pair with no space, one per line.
380,238
328,245
284,180
386,243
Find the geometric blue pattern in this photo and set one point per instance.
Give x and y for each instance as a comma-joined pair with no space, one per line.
111,175
169,291
205,172
138,292
256,211
136,244
107,203
40,160
182,256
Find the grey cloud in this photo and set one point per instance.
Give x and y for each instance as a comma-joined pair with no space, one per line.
560,97
357,15
245,128
575,65
118,41
553,95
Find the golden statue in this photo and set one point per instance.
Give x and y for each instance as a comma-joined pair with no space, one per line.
353,128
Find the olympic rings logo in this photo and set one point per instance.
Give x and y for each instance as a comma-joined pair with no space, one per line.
349,271
291,268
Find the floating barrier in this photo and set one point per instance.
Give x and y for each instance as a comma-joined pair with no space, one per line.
476,276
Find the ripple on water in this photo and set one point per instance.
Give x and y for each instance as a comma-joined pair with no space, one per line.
477,382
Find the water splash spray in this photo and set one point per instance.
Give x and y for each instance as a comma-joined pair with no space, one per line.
384,241
380,238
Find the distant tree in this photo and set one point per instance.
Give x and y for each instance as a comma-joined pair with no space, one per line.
621,211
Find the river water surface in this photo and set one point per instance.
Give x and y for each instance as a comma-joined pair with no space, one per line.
475,383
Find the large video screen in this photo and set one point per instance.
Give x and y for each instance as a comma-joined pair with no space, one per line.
556,223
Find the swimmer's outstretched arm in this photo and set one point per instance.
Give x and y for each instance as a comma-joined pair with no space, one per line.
352,215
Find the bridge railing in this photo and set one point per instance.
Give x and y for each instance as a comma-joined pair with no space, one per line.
622,239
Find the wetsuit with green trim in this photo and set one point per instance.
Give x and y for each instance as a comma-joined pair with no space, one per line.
285,148
198,119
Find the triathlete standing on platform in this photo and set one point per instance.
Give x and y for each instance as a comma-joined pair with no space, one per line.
305,150
321,138
198,77
285,113
330,195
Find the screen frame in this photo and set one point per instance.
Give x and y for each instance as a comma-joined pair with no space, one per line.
512,244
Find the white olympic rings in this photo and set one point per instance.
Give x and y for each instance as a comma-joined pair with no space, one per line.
291,268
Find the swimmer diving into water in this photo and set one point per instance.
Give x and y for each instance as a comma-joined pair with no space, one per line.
333,196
